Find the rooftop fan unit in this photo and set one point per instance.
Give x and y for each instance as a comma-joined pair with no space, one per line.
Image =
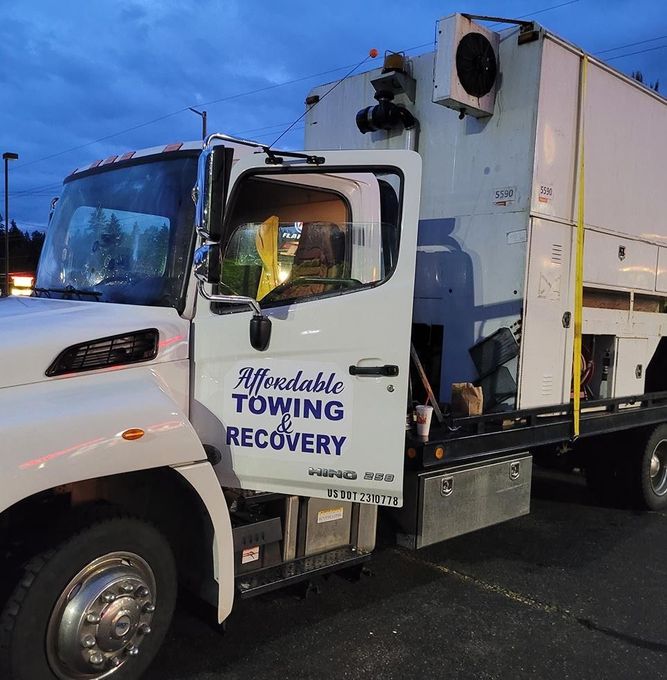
466,66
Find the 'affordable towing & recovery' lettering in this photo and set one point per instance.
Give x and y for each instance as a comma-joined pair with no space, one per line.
288,410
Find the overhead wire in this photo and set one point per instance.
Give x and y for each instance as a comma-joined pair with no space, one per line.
539,11
54,186
630,54
238,95
34,190
232,97
371,55
632,44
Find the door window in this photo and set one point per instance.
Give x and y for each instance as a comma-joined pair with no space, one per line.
307,236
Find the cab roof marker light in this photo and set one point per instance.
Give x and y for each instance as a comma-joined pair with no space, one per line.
126,156
108,160
172,147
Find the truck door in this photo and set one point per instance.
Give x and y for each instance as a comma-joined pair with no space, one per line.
329,252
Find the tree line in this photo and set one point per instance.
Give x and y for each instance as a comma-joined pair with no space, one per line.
24,248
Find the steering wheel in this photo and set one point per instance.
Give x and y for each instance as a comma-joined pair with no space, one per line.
306,281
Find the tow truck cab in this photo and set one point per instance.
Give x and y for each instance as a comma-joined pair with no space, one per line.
238,421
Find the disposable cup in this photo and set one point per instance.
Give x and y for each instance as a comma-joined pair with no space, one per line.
424,414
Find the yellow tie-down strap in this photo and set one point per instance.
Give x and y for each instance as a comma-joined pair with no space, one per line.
579,262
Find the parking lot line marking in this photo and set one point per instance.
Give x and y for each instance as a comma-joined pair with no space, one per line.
493,588
536,604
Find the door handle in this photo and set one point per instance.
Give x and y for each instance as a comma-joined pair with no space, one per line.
388,370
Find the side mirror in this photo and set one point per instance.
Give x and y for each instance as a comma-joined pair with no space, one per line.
260,325
260,332
210,192
210,195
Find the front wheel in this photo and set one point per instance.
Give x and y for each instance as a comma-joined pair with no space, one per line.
96,606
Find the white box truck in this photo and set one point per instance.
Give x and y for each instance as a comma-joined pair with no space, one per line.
214,392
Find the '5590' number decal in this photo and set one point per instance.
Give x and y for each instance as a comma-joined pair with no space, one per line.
545,194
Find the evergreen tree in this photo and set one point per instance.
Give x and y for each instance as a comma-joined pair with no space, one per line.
113,230
639,76
24,249
96,221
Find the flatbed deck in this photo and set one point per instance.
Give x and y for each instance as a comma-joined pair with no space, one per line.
479,437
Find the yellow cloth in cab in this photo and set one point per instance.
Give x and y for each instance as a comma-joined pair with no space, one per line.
266,242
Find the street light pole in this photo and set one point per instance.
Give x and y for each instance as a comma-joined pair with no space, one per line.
203,120
7,156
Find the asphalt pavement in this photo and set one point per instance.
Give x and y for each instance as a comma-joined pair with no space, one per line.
573,590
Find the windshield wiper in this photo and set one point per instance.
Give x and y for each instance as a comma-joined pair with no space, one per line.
68,291
272,157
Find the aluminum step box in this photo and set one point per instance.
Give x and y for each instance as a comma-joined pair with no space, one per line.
444,503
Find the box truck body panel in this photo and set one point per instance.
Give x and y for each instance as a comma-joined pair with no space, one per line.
500,201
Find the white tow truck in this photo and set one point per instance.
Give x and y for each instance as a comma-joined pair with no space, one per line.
219,391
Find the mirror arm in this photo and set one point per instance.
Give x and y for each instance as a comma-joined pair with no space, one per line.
231,299
208,142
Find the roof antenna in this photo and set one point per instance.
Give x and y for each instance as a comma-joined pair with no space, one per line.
371,55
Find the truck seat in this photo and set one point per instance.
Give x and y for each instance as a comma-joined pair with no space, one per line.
321,253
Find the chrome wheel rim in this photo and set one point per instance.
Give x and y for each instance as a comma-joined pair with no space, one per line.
101,617
658,469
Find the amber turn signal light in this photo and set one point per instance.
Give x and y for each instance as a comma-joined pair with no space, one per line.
132,434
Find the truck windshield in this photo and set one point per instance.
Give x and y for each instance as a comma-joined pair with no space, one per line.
123,235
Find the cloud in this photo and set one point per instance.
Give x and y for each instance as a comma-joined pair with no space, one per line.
77,71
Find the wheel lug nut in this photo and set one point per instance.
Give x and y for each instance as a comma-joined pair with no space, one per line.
127,588
132,650
88,641
142,591
93,618
145,629
149,608
109,596
96,658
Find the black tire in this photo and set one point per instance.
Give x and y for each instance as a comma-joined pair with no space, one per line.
650,486
26,614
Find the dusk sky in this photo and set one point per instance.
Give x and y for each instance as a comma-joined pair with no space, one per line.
84,80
